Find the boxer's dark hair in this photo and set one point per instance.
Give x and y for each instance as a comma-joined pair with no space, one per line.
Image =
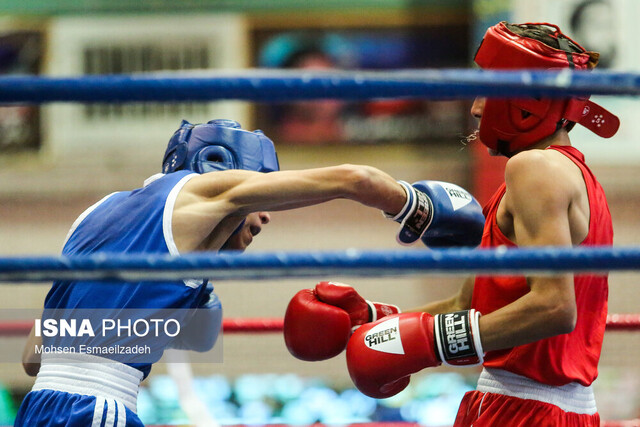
545,34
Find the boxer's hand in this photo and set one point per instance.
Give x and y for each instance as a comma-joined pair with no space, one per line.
381,356
359,309
318,322
440,214
201,331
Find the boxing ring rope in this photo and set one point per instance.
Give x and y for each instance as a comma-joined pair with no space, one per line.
280,86
350,262
283,86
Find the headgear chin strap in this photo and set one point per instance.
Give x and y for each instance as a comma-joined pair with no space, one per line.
510,125
219,145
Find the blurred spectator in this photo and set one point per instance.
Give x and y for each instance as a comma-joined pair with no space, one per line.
593,23
20,54
306,122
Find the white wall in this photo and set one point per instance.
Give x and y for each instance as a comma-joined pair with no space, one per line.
612,28
66,128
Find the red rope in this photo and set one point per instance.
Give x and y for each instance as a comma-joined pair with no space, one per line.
623,322
615,322
230,326
253,325
15,329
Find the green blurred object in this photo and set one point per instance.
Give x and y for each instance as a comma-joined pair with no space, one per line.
7,407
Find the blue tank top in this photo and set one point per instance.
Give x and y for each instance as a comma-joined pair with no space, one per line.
128,222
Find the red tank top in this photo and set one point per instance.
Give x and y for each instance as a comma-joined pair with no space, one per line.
564,358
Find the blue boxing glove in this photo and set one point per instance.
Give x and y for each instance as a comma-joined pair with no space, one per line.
440,214
201,331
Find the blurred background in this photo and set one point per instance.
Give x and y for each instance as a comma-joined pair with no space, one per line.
57,159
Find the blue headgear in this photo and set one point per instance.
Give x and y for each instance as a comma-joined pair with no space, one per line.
219,145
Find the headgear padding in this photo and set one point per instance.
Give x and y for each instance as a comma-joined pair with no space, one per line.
510,125
219,145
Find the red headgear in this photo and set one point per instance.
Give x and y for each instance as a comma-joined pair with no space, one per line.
510,125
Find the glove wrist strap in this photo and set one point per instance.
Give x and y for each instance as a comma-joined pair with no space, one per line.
457,338
409,205
379,310
373,312
417,221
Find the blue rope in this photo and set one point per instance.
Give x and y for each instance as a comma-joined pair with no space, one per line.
279,86
269,265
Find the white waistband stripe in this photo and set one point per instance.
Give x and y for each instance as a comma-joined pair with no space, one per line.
98,410
571,397
110,420
122,415
91,376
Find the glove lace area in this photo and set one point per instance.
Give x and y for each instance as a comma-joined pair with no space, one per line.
457,338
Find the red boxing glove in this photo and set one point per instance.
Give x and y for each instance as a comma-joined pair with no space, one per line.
360,310
381,356
319,322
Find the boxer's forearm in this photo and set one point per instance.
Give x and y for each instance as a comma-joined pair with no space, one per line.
295,189
460,301
30,359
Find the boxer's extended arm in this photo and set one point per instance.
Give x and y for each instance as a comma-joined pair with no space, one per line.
538,199
242,192
220,200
